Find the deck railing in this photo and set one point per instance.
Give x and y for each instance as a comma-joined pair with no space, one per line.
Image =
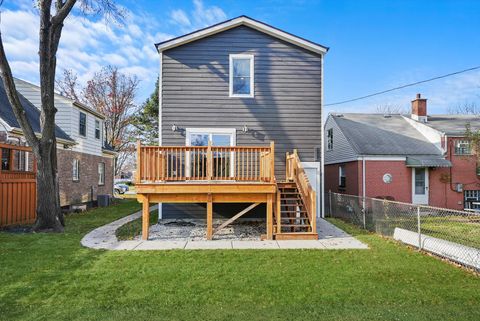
205,163
295,172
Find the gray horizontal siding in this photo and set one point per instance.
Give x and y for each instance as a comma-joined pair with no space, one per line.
342,150
286,107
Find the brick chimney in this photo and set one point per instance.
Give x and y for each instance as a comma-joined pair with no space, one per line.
419,109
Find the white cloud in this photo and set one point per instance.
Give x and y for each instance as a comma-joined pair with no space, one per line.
179,16
198,18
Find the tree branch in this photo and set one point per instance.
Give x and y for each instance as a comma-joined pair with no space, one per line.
11,90
63,9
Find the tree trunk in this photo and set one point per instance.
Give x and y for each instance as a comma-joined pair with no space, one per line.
49,214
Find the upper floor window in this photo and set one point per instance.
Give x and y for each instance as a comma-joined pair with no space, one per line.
463,147
97,129
330,139
83,124
76,170
241,76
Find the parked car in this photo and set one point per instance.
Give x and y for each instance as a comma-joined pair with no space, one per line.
120,188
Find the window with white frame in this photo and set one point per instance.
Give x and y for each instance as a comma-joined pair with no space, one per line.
241,76
342,179
330,139
82,126
101,173
97,129
463,147
76,170
223,162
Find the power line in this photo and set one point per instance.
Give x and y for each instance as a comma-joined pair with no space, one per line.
403,86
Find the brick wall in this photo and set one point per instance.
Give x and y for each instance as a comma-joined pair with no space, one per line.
443,180
351,174
75,192
400,189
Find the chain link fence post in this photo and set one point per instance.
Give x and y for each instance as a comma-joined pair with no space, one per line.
419,229
364,214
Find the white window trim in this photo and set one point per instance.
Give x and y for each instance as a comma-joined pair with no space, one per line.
76,166
226,131
252,75
329,139
101,175
86,121
97,121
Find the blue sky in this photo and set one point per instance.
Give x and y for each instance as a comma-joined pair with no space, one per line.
374,45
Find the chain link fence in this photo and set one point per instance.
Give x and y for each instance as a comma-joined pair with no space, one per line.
451,234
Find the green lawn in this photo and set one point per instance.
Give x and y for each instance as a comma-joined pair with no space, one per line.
51,277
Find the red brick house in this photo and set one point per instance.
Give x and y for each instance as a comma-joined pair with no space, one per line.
417,158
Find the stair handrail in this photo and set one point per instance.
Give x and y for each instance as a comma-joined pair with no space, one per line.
295,172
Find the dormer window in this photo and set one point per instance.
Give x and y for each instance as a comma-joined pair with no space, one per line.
241,76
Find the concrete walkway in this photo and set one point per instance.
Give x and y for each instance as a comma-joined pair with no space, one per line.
330,237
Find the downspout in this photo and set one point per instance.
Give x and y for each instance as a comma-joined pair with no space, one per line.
364,193
322,141
160,136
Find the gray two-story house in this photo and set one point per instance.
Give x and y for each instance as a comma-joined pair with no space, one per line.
242,83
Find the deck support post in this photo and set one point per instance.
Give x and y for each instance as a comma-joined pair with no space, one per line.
209,217
145,217
270,217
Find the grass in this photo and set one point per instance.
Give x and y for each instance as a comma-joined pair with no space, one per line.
453,228
51,277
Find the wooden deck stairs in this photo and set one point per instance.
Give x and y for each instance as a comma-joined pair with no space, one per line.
292,221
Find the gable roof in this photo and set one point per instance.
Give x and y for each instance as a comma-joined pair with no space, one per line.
62,97
238,21
32,113
375,134
454,125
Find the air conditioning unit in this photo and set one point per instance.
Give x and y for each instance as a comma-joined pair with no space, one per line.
459,187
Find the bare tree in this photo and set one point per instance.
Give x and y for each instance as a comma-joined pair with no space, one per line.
112,94
52,18
390,109
68,84
467,108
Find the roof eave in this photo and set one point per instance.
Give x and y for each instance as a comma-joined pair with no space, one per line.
235,22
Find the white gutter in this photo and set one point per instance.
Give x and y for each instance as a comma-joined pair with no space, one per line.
160,138
364,193
322,149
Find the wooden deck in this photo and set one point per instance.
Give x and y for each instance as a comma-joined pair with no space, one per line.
211,174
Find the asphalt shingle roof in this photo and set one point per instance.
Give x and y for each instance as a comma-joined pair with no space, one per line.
375,134
453,124
33,114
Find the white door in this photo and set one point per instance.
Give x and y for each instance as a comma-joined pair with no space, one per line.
312,169
420,186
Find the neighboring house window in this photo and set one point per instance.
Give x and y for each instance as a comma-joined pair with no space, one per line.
101,173
83,124
471,199
342,179
330,139
241,76
462,147
5,159
97,129
76,170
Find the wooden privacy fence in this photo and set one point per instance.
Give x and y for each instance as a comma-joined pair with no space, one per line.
205,163
296,173
17,185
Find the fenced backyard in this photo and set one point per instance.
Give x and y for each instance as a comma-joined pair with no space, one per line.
451,234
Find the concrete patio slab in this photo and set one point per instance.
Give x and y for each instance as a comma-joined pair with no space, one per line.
300,244
256,245
209,245
330,237
161,245
343,243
